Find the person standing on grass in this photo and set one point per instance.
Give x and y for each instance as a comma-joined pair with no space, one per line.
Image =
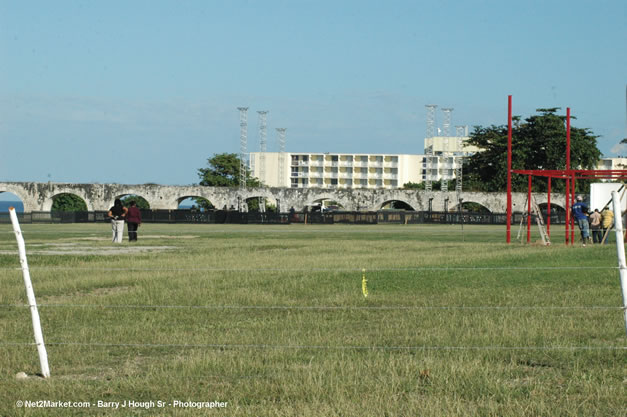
607,222
134,219
595,226
117,213
580,213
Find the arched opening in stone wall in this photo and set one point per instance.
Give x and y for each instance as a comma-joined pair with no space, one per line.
8,199
68,202
472,207
141,202
556,211
396,205
261,204
195,203
325,205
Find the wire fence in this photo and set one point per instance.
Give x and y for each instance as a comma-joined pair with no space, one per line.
270,218
340,269
328,308
374,347
304,307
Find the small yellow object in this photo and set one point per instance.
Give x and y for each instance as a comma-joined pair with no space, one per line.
364,283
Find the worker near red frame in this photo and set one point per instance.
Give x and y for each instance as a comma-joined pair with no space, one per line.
580,213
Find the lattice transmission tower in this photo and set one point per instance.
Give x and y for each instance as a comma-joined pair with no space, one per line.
281,173
446,130
262,154
243,139
429,149
459,162
262,143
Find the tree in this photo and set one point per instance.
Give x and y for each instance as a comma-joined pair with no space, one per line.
474,208
140,201
223,171
203,203
413,186
253,205
68,202
435,185
537,143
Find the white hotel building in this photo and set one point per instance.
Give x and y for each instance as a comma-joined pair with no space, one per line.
342,170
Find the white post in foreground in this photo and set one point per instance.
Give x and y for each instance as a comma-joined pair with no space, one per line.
620,249
39,337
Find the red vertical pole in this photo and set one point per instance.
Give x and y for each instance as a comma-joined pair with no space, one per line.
568,185
572,181
529,210
572,219
568,138
548,211
509,169
567,204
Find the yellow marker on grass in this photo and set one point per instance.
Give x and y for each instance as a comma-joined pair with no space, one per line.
364,283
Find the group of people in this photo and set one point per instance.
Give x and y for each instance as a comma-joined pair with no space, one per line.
120,215
599,223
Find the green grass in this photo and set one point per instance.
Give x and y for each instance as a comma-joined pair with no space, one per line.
272,319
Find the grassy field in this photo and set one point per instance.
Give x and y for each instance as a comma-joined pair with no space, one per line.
273,321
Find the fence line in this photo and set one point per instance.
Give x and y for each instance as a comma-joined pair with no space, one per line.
348,269
305,229
328,217
302,307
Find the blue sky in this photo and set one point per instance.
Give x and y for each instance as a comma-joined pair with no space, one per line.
146,91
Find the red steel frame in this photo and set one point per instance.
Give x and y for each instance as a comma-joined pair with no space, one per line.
568,174
509,168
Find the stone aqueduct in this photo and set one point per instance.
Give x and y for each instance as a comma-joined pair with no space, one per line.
38,196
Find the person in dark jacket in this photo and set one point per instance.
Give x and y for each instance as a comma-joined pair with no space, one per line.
134,219
117,213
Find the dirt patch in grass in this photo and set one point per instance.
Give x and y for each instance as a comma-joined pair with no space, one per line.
108,238
82,249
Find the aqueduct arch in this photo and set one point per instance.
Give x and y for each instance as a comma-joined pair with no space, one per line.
39,196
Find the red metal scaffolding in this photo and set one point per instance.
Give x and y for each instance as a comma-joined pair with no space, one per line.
568,175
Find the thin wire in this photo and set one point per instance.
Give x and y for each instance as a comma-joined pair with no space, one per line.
284,228
301,307
318,347
348,269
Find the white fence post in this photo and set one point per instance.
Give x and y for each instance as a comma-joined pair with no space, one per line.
620,249
39,337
